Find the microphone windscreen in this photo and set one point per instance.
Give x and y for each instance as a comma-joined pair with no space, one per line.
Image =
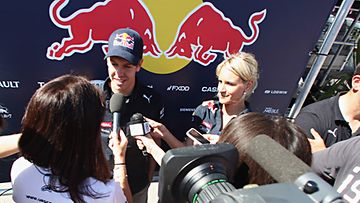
276,160
137,117
116,102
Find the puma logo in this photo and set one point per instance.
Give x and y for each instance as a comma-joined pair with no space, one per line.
333,132
148,98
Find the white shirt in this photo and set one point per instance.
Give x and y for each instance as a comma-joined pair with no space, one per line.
29,184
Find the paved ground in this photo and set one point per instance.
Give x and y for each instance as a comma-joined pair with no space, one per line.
153,192
7,196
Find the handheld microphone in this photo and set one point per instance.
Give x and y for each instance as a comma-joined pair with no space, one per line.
285,167
281,164
116,103
137,126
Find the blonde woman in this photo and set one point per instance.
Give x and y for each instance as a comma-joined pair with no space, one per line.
237,80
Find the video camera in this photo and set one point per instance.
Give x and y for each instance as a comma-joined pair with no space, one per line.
198,173
203,174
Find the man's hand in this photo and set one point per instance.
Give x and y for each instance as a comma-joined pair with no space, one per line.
213,139
317,143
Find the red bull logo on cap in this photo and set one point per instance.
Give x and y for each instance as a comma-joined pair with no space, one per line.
124,40
191,30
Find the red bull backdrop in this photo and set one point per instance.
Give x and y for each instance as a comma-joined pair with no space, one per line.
183,43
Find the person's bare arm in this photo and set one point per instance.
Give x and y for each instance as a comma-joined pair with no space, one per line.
118,144
9,144
160,131
152,162
151,147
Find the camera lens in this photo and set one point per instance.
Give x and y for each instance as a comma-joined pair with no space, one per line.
204,181
198,173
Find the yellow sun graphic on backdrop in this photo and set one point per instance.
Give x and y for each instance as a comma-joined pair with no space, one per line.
167,14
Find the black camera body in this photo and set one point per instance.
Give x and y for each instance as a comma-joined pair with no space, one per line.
197,173
202,174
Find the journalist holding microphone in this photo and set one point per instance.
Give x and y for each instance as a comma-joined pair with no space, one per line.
239,132
62,158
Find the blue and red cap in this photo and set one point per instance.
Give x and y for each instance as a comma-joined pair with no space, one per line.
127,44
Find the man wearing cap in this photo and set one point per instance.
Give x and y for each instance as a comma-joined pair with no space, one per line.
124,60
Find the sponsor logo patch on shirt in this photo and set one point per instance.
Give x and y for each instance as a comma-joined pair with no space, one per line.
106,124
206,124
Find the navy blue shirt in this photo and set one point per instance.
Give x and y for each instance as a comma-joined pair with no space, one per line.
142,100
207,117
326,118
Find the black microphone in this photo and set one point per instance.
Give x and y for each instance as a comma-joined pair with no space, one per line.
116,103
138,125
285,167
281,164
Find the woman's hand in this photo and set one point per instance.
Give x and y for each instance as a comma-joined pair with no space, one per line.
145,142
158,129
151,147
117,144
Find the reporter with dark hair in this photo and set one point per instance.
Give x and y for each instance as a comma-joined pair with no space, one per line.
243,128
61,147
239,131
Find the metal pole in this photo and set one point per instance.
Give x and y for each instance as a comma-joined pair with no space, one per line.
346,59
341,43
319,61
345,38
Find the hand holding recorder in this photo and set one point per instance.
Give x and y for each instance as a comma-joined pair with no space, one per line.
197,137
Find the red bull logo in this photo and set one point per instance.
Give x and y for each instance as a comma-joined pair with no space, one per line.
124,40
87,27
199,35
206,30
